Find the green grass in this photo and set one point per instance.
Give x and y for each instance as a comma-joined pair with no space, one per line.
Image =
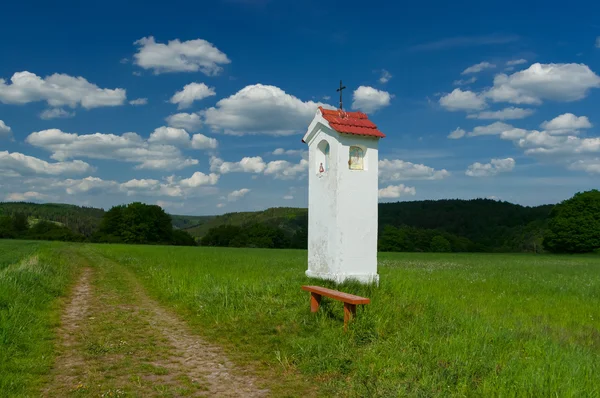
33,276
438,325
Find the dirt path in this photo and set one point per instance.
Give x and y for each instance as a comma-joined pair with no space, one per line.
117,341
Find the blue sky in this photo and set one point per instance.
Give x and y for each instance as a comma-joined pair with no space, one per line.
200,106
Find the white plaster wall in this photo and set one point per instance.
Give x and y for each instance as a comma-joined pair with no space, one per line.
342,209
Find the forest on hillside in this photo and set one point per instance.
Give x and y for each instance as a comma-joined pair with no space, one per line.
478,225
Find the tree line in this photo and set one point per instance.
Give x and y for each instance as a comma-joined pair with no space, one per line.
480,225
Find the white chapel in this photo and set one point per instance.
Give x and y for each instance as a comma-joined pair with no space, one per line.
342,196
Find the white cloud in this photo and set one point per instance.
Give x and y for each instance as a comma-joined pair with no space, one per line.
490,169
591,166
516,62
88,185
58,90
284,170
397,170
463,82
261,109
396,191
5,130
368,99
504,114
199,179
246,165
139,101
26,165
24,197
478,68
456,134
495,128
278,169
220,205
129,147
176,56
235,195
288,197
385,76
188,121
190,93
170,135
289,152
565,123
557,82
200,141
56,113
459,100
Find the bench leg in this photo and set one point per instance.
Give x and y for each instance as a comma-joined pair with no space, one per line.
349,313
315,300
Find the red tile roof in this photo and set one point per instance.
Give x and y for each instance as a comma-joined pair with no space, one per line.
351,123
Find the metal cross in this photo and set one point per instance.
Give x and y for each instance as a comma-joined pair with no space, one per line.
340,91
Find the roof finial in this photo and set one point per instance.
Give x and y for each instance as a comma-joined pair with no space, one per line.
340,91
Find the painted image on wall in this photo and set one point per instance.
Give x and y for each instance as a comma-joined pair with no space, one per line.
356,158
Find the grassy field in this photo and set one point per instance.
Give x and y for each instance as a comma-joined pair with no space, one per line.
438,324
33,278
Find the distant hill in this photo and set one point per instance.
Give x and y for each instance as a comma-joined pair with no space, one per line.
289,219
82,220
487,224
185,222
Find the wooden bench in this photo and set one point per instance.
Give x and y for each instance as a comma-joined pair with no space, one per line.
350,300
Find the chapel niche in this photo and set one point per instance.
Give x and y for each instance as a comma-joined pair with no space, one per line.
322,157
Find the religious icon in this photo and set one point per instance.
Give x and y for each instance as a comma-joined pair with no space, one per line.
356,158
321,169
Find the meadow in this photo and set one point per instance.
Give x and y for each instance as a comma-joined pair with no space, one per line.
438,324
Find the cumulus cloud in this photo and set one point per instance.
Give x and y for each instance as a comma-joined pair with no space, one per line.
200,141
284,170
20,164
369,99
504,114
567,122
516,62
139,101
278,169
247,165
177,56
170,135
58,90
591,166
56,113
188,121
385,76
199,179
478,68
459,100
397,170
261,109
290,152
396,191
129,147
190,93
556,82
491,129
235,195
5,131
464,82
456,134
493,168
24,197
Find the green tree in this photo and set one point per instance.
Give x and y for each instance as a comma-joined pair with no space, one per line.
20,223
440,244
574,226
